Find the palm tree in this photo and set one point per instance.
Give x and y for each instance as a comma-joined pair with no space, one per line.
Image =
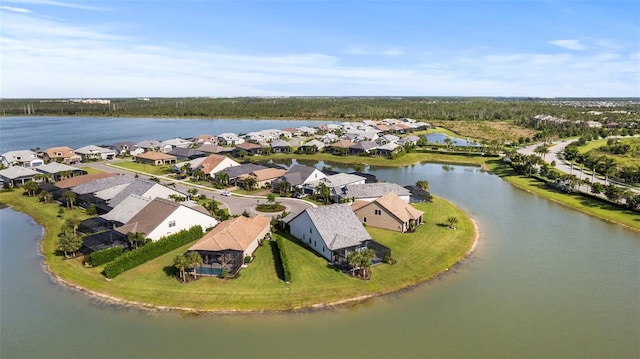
353,259
69,242
192,192
542,150
222,178
71,225
249,183
44,196
180,262
135,238
186,169
198,174
194,260
323,192
423,185
452,222
366,256
69,198
607,167
31,188
211,206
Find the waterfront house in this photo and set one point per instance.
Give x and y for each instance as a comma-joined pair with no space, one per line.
387,150
92,152
215,149
388,212
155,158
361,148
409,140
177,142
333,232
280,146
61,154
227,245
126,209
22,158
82,179
163,217
206,140
339,148
312,146
149,145
126,148
372,191
16,176
337,181
247,148
229,139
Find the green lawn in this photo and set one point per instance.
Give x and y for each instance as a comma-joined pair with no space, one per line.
420,256
404,160
141,167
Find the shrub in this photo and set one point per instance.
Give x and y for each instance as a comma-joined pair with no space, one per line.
286,271
104,256
152,250
247,259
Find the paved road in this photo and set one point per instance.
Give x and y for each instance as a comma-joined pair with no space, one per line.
555,150
236,203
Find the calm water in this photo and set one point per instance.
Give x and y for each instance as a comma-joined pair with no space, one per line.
30,132
440,137
544,282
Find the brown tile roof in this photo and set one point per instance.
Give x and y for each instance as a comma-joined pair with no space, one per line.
235,234
152,155
150,216
359,204
78,180
401,209
342,144
248,146
265,174
53,151
211,162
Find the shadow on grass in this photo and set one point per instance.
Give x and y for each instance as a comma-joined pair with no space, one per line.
298,243
445,225
277,261
170,271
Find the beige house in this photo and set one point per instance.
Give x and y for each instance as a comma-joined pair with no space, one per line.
388,212
263,176
61,154
155,158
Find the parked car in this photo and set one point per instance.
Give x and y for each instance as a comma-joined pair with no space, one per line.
226,194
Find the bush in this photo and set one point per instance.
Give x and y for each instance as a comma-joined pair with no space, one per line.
152,250
247,259
104,256
283,259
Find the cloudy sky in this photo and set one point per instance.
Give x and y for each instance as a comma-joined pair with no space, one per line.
167,48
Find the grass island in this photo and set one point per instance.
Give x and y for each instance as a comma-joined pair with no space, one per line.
420,256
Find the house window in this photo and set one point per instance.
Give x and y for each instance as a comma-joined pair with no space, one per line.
310,231
172,223
377,212
365,219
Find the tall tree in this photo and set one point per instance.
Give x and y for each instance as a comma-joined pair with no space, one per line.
69,198
249,183
31,188
194,260
452,222
323,192
69,242
180,262
135,238
423,185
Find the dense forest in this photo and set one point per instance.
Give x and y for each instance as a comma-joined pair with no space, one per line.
336,108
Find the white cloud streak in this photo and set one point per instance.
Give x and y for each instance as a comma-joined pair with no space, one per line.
64,4
569,44
16,9
44,58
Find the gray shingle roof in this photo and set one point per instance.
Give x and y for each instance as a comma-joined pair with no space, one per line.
55,167
297,174
243,169
17,172
338,226
372,190
102,184
138,187
127,208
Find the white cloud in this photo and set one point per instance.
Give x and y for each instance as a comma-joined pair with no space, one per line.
391,52
45,58
15,9
70,5
569,44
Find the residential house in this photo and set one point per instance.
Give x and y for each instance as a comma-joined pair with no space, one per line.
150,145
22,158
387,150
280,146
247,148
61,154
362,148
301,177
185,154
227,245
372,191
389,212
162,217
155,158
291,132
229,139
262,177
126,148
213,164
329,138
206,140
82,179
92,152
126,209
234,172
383,140
307,131
192,164
103,240
177,142
333,232
312,146
16,176
337,181
215,149
339,148
411,140
58,171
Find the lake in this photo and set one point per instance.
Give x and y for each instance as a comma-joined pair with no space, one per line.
545,281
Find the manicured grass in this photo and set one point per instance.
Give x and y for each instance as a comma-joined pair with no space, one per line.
600,209
91,170
404,160
421,255
141,167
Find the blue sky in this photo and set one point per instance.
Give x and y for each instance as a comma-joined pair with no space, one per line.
149,48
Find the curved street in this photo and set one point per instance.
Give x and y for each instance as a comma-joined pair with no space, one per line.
236,203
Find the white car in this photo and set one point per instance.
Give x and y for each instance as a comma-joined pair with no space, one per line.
226,194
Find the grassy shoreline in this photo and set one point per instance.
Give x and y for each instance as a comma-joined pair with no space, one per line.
421,256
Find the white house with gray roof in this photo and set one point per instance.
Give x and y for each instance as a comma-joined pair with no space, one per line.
22,158
92,152
331,231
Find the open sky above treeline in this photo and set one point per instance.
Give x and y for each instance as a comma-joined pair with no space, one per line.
228,48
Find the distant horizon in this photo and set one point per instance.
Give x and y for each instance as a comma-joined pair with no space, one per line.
362,48
141,98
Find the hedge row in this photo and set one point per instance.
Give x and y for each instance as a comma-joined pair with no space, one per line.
284,259
105,256
151,250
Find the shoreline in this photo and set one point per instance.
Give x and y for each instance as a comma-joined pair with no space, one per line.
113,300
